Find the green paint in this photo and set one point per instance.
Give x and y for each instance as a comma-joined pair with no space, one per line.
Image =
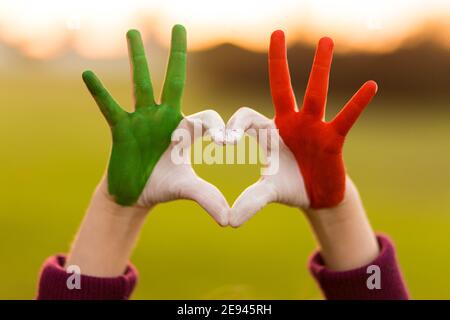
141,137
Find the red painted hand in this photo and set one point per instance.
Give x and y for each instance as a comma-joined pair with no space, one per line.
316,144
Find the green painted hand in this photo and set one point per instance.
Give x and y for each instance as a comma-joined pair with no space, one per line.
142,136
140,170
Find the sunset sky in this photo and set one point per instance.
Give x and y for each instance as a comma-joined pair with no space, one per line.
95,29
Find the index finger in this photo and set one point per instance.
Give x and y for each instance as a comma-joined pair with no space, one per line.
108,106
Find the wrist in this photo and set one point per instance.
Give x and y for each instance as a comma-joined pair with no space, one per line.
344,234
333,218
106,237
104,204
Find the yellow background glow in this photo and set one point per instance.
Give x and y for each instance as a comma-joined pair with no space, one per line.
94,29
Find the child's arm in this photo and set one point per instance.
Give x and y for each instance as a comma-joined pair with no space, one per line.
141,173
344,234
106,237
310,174
100,254
352,263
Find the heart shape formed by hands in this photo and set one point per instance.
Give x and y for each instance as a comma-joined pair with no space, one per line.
310,170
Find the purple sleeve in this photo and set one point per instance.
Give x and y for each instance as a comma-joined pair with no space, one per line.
379,280
53,284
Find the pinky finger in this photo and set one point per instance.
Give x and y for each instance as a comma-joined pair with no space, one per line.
345,119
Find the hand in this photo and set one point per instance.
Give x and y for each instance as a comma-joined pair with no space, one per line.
311,169
316,144
311,173
140,171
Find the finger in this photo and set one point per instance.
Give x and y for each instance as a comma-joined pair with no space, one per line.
345,119
142,84
317,89
176,69
252,200
243,120
280,81
210,123
108,106
209,198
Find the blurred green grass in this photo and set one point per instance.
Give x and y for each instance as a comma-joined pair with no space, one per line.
55,145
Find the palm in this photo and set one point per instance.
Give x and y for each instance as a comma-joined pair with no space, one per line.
315,142
310,133
139,140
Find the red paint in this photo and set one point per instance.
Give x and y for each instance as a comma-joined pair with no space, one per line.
316,144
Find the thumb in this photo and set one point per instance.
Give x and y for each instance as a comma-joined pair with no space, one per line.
210,123
209,198
252,200
246,120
